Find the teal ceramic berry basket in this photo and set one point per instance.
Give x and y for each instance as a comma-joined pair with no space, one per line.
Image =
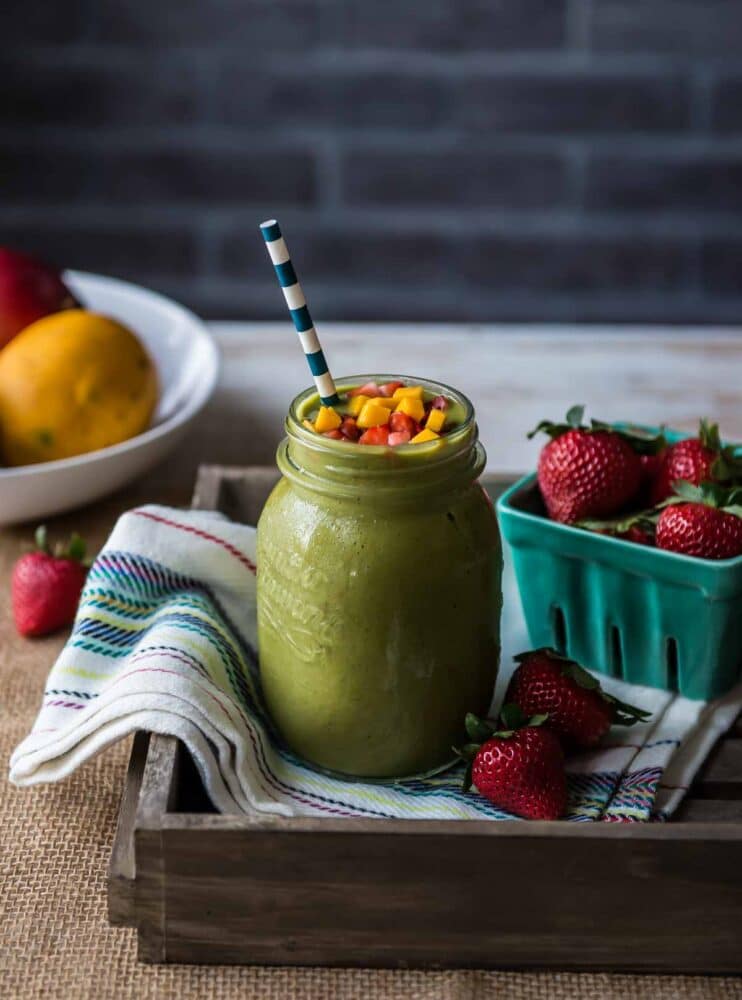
633,612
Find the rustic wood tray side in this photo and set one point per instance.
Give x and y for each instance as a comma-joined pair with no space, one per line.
204,887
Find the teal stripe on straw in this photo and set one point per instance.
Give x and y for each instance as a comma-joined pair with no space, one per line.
286,274
302,319
317,363
271,231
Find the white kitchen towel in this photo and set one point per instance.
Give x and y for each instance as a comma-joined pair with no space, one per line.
165,640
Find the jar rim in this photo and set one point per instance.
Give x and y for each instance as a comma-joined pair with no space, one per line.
294,427
328,465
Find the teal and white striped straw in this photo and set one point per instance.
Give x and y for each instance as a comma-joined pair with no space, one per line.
297,304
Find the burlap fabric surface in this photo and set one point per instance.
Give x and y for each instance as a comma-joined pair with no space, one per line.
55,842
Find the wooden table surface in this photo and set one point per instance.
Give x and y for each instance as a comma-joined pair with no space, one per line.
515,376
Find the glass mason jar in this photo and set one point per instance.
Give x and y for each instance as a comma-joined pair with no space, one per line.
379,595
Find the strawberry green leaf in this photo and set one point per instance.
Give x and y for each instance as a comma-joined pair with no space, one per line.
625,714
735,509
553,430
512,716
76,548
727,466
573,422
644,519
575,415
581,677
708,435
467,779
538,720
708,493
688,491
478,730
642,441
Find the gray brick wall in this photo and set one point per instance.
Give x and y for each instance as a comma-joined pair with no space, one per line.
458,159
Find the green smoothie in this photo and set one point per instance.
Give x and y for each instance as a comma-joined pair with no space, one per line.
378,594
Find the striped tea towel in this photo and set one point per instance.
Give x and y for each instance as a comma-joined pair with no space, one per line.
165,640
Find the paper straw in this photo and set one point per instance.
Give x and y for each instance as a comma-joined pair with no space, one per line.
297,304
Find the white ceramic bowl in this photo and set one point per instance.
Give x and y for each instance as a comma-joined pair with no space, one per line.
187,362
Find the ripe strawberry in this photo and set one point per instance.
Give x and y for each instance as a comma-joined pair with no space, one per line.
45,588
403,423
350,429
696,460
369,389
518,767
399,437
650,467
389,388
334,434
375,435
590,471
579,711
703,521
638,534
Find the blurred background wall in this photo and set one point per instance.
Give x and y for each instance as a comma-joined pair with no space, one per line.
452,159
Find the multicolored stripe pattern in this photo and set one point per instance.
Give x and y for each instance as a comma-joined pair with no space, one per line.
165,640
297,305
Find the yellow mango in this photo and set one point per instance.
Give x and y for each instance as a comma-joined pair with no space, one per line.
436,420
412,407
425,435
356,404
387,401
327,420
373,415
409,392
308,424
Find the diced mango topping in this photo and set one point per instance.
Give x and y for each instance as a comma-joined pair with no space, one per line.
436,420
409,391
391,414
412,406
373,414
356,404
327,420
425,435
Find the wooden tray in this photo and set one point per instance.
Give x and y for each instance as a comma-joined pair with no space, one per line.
205,887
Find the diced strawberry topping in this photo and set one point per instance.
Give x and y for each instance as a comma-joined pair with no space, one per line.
403,423
375,435
399,437
439,403
370,389
334,434
349,429
389,388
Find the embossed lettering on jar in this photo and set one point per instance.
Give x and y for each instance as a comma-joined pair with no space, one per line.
379,595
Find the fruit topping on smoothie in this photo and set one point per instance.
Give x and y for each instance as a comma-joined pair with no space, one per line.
389,414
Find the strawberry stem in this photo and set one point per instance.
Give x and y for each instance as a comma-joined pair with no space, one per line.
41,539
